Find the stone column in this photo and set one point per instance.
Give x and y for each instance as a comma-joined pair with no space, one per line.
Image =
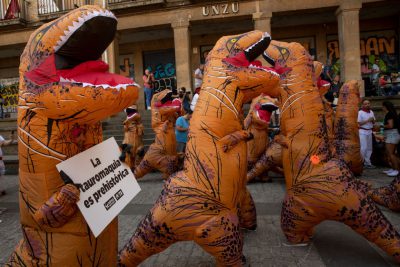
349,41
113,55
139,71
262,21
182,53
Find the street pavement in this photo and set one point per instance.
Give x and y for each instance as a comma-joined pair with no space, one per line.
334,244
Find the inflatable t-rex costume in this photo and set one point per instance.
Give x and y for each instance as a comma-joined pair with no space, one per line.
162,155
272,157
201,202
347,141
257,122
132,145
64,93
319,186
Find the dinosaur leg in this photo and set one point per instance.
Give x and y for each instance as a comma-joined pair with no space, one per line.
221,237
388,196
297,223
247,212
347,203
151,237
364,217
168,164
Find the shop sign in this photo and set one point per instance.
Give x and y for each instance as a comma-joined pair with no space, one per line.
220,9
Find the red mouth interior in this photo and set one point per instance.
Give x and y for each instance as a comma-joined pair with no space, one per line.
92,72
175,103
264,115
240,60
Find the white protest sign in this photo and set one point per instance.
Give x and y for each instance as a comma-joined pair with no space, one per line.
107,184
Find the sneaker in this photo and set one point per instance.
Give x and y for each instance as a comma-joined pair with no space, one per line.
387,171
393,173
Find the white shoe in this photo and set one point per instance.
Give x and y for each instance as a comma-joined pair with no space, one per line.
393,173
387,171
149,108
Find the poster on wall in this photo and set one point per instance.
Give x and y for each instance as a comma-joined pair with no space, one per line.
381,46
162,64
126,66
9,92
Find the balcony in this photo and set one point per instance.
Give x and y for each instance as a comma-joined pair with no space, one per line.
13,12
50,9
137,4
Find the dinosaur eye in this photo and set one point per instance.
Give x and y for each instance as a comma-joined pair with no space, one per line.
38,36
283,51
233,40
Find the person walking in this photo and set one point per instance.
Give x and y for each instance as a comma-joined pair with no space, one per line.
392,136
148,84
181,131
366,120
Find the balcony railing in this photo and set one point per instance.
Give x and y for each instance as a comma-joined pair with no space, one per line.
13,10
46,7
134,2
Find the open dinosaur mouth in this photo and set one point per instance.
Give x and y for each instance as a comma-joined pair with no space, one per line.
131,112
247,58
77,52
168,101
265,110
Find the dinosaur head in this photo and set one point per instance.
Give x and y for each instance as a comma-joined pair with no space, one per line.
164,104
323,86
233,59
287,56
261,109
132,113
61,76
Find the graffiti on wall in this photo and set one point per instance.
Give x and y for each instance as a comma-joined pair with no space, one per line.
381,46
162,64
9,91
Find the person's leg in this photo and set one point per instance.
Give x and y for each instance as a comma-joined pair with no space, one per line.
390,148
363,147
147,93
368,151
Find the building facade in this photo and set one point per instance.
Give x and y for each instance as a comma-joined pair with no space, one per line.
172,37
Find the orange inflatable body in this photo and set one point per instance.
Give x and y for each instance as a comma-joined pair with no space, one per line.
319,186
132,145
162,155
257,124
347,140
201,202
271,159
64,93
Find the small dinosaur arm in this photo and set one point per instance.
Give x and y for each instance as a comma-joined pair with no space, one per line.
257,123
59,112
161,154
132,145
201,202
319,186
